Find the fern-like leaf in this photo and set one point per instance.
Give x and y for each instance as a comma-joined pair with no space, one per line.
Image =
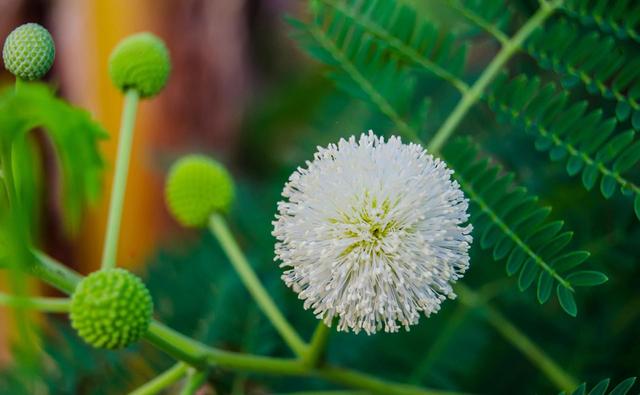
596,61
511,222
621,17
601,388
492,16
396,29
74,135
569,131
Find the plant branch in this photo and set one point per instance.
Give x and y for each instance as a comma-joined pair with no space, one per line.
317,347
218,227
509,48
563,380
49,305
110,248
202,356
194,381
162,381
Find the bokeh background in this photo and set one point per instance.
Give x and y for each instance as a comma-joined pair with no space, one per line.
241,90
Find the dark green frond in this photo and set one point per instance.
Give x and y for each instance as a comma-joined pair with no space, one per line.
492,16
621,17
395,28
360,68
509,220
601,388
595,60
586,140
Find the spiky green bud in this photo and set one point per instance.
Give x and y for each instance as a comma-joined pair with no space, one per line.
111,309
29,51
140,62
196,188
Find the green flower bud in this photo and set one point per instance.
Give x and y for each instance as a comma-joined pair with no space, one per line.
196,188
111,309
140,62
29,51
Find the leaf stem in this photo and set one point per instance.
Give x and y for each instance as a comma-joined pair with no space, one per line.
170,376
195,379
220,230
49,305
125,140
509,48
201,356
317,347
563,380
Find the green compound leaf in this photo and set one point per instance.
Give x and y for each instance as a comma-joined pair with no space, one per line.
74,135
621,18
591,144
512,222
355,29
622,388
598,62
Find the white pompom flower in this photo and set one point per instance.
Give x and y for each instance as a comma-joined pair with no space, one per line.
372,232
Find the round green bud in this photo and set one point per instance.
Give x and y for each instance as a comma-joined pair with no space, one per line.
28,52
111,309
196,188
140,62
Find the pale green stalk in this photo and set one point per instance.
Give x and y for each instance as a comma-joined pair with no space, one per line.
317,347
219,228
125,141
165,379
469,98
563,380
49,305
202,356
194,381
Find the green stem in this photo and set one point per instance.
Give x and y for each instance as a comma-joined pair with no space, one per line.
317,347
195,379
49,305
443,338
19,84
201,356
219,228
563,380
164,380
509,48
125,141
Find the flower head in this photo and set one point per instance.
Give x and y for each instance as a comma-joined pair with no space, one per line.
372,232
29,51
197,187
111,309
140,62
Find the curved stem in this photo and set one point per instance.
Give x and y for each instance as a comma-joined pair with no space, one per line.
318,345
202,356
509,48
49,305
125,141
164,380
219,228
563,380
